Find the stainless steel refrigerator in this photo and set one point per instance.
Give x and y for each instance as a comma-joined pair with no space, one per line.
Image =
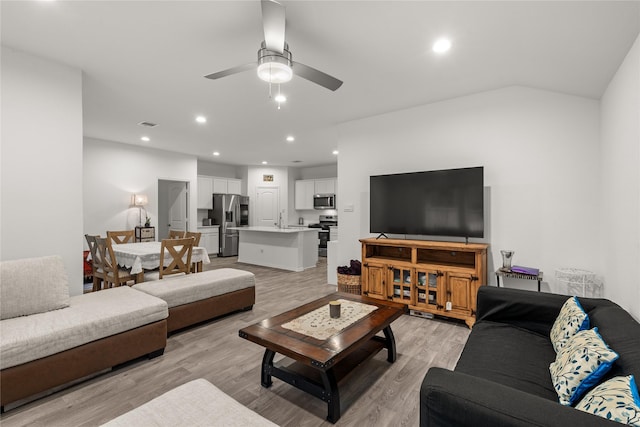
226,213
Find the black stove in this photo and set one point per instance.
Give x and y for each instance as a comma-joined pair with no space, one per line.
326,221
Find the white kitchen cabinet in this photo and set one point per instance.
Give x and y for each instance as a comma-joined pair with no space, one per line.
325,186
220,185
227,185
210,239
305,189
205,190
234,186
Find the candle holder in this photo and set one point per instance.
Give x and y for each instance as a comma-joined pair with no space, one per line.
506,259
334,309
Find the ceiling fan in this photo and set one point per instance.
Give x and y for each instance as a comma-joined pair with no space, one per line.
274,57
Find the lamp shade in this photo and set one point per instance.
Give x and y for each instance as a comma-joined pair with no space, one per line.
140,199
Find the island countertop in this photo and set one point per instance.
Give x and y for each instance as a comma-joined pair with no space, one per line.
274,229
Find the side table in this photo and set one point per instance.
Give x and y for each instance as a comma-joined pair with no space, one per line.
145,234
510,274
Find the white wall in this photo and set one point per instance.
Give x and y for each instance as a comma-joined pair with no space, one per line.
113,172
540,154
218,169
620,126
41,158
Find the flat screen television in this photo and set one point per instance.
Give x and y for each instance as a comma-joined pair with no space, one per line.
433,203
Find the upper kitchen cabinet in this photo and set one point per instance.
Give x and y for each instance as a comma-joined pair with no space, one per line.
234,186
227,185
205,190
325,186
207,185
306,188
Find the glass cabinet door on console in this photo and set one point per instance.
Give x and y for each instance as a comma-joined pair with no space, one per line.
429,289
401,281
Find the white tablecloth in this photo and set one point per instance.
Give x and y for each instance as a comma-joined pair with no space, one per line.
146,255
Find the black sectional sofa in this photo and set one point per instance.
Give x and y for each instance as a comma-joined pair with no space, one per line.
502,377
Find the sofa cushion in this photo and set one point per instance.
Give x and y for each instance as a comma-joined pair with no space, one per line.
616,399
189,288
196,403
89,317
32,285
580,365
572,318
511,356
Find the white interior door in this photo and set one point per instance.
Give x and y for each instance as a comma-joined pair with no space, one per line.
177,192
267,206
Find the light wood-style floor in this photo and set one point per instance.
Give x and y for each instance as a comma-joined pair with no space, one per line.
376,394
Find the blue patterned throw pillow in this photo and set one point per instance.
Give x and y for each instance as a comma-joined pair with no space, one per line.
580,365
616,400
570,321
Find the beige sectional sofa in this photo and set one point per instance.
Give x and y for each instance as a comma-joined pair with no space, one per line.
49,338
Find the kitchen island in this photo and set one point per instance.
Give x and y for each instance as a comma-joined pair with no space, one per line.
289,248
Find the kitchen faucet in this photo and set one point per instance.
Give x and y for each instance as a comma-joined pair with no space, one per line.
279,223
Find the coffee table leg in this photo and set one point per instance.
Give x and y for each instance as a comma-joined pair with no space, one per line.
332,395
267,364
391,344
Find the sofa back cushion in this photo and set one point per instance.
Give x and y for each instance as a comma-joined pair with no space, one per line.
622,333
32,285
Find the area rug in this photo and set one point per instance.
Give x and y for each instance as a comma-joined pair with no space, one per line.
318,324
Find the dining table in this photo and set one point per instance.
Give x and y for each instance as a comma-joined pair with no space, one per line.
143,256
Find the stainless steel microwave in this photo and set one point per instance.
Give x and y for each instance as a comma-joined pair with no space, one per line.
324,201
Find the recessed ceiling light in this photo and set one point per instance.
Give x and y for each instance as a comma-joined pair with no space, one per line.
335,152
290,138
441,45
215,153
264,162
201,119
280,98
145,139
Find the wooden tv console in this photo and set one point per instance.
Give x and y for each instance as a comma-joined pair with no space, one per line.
441,278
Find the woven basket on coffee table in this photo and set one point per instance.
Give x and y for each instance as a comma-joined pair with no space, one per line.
349,284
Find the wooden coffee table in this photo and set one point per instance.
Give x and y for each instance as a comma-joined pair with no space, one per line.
321,364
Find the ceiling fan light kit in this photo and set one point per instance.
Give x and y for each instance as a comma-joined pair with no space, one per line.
274,67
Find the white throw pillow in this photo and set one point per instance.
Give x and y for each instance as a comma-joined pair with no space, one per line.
580,365
32,285
570,321
616,400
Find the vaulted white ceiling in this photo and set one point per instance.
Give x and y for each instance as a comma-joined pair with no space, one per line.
145,61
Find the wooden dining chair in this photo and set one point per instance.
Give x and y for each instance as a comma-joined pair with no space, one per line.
97,272
176,234
114,275
125,236
196,242
195,235
175,256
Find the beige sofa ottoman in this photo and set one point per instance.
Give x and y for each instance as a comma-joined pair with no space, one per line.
195,298
196,403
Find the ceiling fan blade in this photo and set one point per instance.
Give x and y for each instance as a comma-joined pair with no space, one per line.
234,70
316,76
273,21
